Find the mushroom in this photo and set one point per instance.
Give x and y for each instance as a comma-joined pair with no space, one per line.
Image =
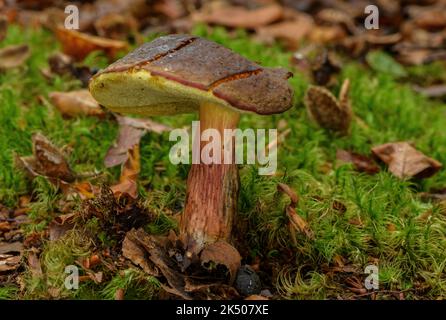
180,74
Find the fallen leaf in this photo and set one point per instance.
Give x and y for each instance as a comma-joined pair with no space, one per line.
327,111
240,17
326,34
289,192
154,248
299,223
49,159
131,130
135,253
222,253
172,9
3,27
120,294
61,225
405,161
129,174
78,45
431,18
34,264
383,39
13,56
74,103
360,162
9,262
16,247
291,32
10,255
434,91
337,16
434,195
116,26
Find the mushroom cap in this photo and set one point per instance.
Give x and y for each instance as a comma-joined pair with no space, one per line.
176,73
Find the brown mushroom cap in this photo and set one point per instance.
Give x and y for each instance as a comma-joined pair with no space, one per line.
176,73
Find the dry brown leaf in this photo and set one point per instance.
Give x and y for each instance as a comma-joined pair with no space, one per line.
172,9
133,251
291,32
434,195
222,253
61,225
50,160
405,161
85,190
16,247
326,34
120,294
131,130
74,103
240,17
78,45
337,16
9,262
129,174
299,223
116,26
154,249
34,264
13,56
3,27
289,192
434,91
10,255
327,111
360,162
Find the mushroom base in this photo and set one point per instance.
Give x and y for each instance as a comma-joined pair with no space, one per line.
212,189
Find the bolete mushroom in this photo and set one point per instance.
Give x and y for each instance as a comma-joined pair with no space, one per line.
182,73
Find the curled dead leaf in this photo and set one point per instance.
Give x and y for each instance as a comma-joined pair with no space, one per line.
240,17
289,192
13,56
47,160
10,256
142,248
299,223
131,130
405,161
222,253
290,32
3,26
360,162
116,26
129,174
74,103
78,45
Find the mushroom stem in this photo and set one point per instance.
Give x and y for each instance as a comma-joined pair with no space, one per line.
212,189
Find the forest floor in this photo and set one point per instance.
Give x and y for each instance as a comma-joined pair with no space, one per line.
353,219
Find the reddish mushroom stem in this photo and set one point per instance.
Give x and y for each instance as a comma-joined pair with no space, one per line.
212,189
